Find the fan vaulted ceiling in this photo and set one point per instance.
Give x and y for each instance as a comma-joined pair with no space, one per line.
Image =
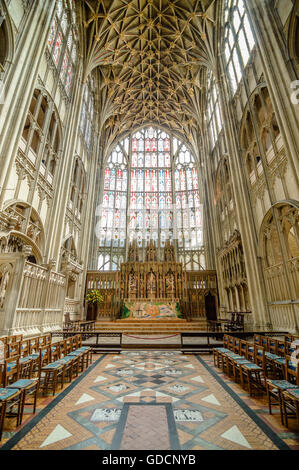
151,56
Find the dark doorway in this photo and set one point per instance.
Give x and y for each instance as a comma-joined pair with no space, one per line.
91,314
210,304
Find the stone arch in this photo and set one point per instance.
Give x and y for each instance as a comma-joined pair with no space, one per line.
293,35
6,39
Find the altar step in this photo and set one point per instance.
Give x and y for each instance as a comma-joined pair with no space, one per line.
151,327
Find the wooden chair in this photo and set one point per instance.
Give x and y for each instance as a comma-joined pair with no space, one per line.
9,399
290,405
50,376
276,388
14,380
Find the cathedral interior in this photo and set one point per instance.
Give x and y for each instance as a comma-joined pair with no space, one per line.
149,229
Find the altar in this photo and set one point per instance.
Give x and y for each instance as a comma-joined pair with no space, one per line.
143,309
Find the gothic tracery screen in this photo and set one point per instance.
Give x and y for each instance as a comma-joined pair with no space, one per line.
150,192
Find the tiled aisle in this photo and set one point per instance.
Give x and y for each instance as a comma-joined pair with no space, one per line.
150,401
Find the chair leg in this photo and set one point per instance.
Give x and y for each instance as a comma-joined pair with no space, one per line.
2,417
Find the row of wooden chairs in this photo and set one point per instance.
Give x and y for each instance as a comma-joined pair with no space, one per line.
45,369
253,366
280,347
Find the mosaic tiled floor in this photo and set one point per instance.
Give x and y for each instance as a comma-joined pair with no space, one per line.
154,400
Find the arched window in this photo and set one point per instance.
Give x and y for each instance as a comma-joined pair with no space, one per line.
77,193
188,207
238,41
114,203
151,192
63,42
151,187
87,113
213,111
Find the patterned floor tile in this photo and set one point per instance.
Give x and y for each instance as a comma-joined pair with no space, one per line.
153,400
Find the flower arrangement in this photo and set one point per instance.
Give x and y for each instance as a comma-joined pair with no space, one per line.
94,296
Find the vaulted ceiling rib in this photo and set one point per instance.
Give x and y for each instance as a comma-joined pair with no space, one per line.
151,56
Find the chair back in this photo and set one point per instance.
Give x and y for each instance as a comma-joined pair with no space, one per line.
79,341
11,370
236,345
281,347
257,339
25,347
12,350
243,347
42,341
292,370
230,345
265,342
44,356
68,345
288,338
48,339
55,351
3,339
19,337
292,347
74,342
273,345
34,345
259,356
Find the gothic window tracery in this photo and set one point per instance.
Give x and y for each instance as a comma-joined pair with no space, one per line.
87,113
63,42
158,189
213,111
238,41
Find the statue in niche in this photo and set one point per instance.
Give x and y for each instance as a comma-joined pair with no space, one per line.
170,284
151,285
132,284
4,279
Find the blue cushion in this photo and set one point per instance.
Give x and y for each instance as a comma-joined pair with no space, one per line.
282,384
23,383
271,356
281,360
292,365
294,392
5,393
53,365
250,365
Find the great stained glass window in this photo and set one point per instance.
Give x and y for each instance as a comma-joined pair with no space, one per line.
150,191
